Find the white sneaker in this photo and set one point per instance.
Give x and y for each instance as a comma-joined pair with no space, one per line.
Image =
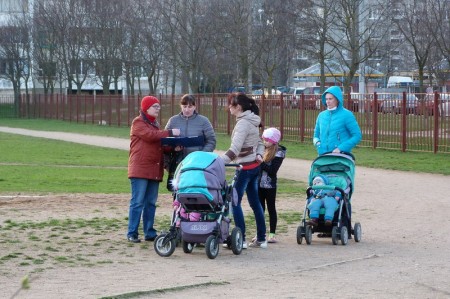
244,245
258,244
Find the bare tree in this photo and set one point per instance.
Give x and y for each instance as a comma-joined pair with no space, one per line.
412,25
45,47
272,35
191,20
439,26
65,23
15,52
234,22
105,37
317,23
357,33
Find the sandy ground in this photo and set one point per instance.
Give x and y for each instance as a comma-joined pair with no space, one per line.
403,253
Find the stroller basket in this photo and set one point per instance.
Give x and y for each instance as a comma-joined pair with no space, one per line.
196,202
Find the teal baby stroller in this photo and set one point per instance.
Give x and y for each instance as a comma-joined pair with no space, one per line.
200,187
339,169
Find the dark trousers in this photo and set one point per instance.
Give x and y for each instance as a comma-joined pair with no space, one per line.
268,196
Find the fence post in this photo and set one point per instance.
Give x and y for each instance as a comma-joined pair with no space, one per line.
129,110
281,114
436,122
375,120
214,111
263,109
302,117
58,96
228,116
403,126
70,107
172,104
119,113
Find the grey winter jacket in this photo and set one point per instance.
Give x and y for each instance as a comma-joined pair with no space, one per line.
245,140
194,125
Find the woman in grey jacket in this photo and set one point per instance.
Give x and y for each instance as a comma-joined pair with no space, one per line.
190,123
247,149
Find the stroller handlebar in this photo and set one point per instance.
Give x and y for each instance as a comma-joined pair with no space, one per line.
233,165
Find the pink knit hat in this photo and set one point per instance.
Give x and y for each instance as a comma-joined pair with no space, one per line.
272,135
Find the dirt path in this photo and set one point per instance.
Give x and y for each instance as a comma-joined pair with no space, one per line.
403,252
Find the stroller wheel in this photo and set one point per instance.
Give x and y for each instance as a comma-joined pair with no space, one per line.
357,232
334,235
299,234
236,240
187,247
164,246
344,235
308,234
212,247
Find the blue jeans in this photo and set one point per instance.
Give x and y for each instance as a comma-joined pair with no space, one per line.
144,194
248,181
330,204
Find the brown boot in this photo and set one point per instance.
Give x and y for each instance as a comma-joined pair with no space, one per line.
313,222
328,223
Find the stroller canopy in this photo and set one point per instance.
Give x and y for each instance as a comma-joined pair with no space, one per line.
200,172
334,163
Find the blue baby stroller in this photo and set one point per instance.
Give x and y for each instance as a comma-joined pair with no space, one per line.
200,187
339,169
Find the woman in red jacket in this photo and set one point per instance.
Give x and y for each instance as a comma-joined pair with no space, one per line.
145,168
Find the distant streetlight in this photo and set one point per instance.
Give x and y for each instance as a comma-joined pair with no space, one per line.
380,68
260,11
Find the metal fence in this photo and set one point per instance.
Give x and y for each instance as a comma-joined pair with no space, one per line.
406,122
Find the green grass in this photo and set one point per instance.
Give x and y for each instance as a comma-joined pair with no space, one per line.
49,166
31,164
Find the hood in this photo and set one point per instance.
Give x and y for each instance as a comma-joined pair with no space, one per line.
250,117
337,92
323,177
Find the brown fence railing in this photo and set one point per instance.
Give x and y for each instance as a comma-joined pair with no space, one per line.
399,121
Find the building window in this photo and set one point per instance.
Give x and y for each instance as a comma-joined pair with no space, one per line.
301,55
374,13
8,6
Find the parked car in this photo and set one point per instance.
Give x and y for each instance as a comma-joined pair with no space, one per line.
357,100
294,97
393,103
444,106
427,105
312,97
412,103
257,92
354,101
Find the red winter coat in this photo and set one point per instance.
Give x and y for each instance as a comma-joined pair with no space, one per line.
146,154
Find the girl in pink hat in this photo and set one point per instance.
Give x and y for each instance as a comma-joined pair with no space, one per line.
274,154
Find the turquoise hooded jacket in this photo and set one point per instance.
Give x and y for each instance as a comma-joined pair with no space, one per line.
336,128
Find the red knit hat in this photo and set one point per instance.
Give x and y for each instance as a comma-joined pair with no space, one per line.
147,102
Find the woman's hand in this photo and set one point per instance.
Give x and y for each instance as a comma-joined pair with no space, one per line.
176,132
337,151
259,158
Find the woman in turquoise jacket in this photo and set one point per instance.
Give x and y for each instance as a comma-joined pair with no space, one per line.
336,128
